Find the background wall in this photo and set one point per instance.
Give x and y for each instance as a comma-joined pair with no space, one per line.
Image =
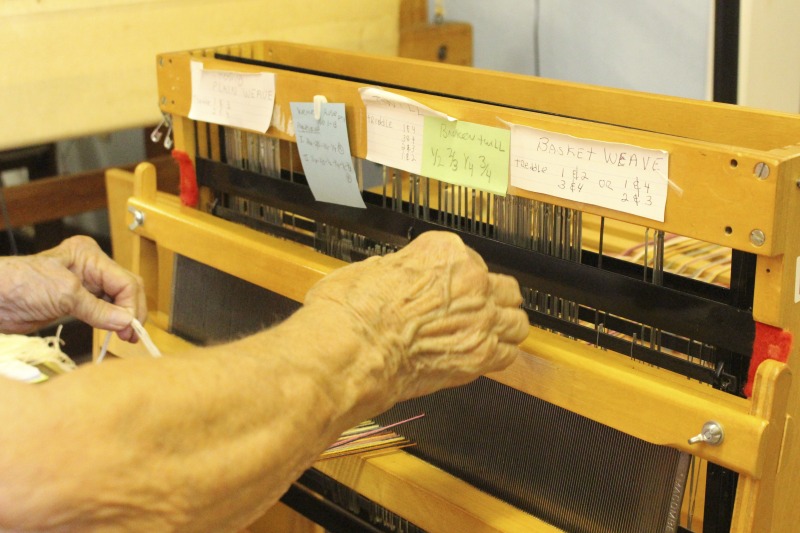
648,45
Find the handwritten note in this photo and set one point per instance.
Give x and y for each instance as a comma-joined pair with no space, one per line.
395,126
239,99
613,175
325,153
464,153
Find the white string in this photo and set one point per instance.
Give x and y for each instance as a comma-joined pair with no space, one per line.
152,349
21,355
34,351
148,343
103,349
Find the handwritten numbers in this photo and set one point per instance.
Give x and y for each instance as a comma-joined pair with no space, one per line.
239,99
613,175
464,153
325,153
395,129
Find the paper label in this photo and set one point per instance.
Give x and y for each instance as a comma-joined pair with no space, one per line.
463,153
325,153
238,99
395,126
617,176
797,282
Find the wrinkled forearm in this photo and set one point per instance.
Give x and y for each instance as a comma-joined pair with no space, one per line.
208,440
204,441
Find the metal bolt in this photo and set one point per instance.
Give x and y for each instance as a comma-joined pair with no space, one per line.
711,433
138,218
797,183
761,171
757,237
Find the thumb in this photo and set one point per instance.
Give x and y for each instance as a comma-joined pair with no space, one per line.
99,313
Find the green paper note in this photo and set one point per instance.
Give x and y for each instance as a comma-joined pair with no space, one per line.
468,154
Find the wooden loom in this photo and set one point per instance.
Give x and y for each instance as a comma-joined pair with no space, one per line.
738,170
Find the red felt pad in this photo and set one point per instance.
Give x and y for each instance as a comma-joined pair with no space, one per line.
770,343
188,179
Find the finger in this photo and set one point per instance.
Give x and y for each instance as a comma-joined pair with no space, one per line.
505,290
435,245
100,314
512,325
101,275
476,258
467,279
505,354
125,288
130,296
127,334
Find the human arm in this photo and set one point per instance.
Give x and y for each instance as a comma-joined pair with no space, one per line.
208,440
75,278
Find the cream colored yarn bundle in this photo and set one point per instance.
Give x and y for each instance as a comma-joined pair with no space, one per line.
29,358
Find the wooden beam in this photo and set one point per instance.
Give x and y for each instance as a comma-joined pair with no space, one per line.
57,197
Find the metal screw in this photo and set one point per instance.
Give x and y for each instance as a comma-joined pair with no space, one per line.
761,171
757,237
797,183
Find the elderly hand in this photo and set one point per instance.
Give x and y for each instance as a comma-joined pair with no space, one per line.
74,278
437,315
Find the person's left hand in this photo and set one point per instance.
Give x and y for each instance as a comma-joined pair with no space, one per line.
75,278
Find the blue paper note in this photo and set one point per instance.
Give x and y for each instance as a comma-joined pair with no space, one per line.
325,153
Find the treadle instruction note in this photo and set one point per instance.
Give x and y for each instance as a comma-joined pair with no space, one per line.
617,176
238,99
395,127
325,153
464,153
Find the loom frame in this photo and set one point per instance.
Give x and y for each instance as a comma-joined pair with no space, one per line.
704,139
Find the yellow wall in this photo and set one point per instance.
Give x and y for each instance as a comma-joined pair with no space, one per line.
79,67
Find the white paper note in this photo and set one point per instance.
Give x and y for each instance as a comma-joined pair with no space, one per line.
238,99
325,153
618,176
395,126
797,282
